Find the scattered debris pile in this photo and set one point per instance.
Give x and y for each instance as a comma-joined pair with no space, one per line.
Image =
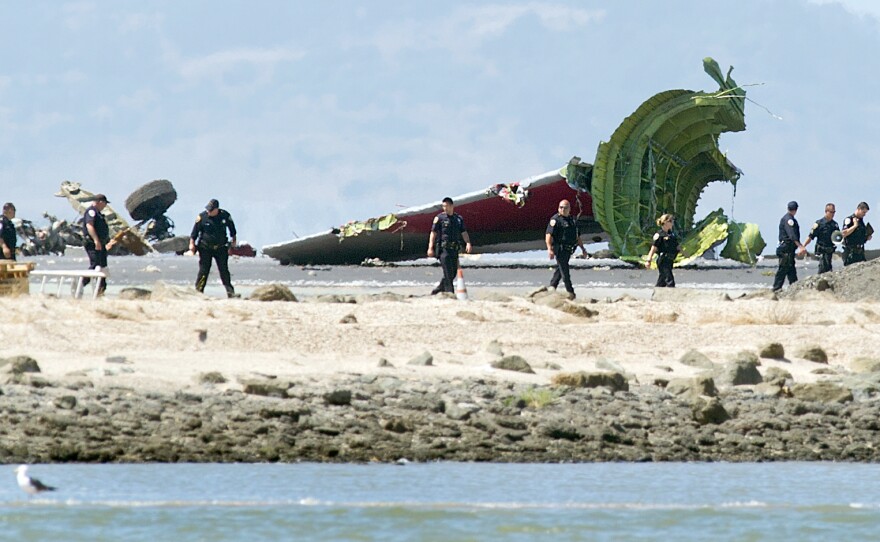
857,282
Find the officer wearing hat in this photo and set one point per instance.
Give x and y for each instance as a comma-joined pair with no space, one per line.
821,232
855,235
8,237
789,241
561,238
209,237
96,238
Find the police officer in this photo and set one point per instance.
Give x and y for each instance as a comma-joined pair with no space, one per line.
665,245
8,237
209,236
855,235
448,232
789,241
821,232
562,237
96,238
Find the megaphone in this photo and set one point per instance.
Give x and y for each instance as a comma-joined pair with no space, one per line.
836,237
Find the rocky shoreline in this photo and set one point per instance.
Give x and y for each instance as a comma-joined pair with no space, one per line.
578,417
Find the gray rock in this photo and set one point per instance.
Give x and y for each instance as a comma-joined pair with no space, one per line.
117,359
335,298
767,389
776,376
212,377
423,359
699,385
494,348
513,363
695,358
578,310
135,293
745,356
772,351
65,402
18,365
348,319
823,392
814,353
272,292
738,373
582,379
709,411
384,363
338,397
865,365
823,371
552,366
267,388
460,411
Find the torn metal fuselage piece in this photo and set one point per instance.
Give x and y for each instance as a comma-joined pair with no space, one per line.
659,160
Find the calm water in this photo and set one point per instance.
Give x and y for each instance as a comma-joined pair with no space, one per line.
447,501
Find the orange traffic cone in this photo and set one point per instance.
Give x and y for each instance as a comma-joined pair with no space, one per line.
460,288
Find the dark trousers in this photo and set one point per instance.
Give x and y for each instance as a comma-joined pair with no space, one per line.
786,270
449,263
220,254
665,278
562,271
97,258
853,255
824,255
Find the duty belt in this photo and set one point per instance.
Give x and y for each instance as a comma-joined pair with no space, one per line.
212,246
856,248
567,248
452,245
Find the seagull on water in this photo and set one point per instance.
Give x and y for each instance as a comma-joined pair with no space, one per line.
29,485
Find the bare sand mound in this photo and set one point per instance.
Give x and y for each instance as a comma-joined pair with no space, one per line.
857,282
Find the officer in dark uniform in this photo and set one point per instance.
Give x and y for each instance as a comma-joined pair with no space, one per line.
665,245
209,237
821,232
448,236
96,238
789,241
8,237
562,237
855,235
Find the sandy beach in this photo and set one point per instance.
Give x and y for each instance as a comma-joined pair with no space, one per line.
369,373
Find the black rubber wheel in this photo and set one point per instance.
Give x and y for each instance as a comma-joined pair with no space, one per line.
151,200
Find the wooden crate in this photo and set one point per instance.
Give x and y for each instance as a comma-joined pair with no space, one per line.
10,287
14,277
12,269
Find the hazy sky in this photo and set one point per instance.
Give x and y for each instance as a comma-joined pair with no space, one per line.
299,116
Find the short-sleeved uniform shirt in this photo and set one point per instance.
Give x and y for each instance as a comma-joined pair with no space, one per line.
857,238
789,229
563,230
666,243
94,217
822,230
449,228
211,230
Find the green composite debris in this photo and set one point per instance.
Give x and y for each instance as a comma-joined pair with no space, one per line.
355,228
660,159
